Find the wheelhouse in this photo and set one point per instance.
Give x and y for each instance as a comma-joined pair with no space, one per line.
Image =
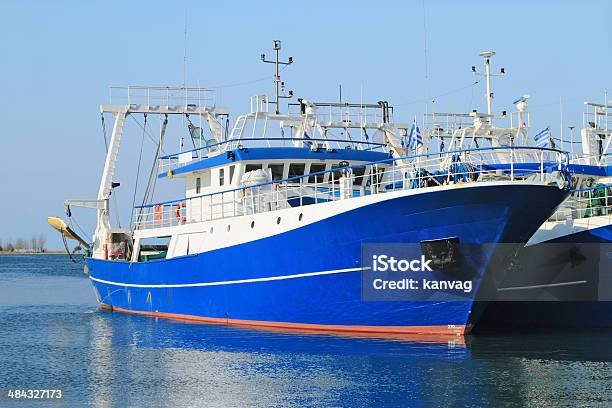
302,146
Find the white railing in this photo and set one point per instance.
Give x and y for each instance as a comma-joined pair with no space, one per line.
350,114
259,103
414,172
586,203
160,95
604,159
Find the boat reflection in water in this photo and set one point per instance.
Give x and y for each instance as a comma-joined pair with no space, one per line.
136,360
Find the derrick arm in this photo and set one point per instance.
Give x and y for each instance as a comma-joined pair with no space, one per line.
103,227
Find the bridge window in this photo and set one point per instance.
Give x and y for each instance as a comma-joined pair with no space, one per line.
315,168
251,167
232,168
375,175
358,172
221,177
277,171
198,185
296,169
381,173
336,174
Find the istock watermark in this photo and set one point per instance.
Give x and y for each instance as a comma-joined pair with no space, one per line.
383,263
449,270
415,272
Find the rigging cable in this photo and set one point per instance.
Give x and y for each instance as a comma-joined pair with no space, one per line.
472,95
151,182
566,141
74,222
70,254
104,131
149,135
138,169
440,95
231,85
427,86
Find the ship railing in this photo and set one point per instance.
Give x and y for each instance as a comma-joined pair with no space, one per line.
603,160
586,203
597,117
161,95
347,114
175,160
347,182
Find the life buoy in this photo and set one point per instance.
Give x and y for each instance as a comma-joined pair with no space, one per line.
177,213
158,212
276,186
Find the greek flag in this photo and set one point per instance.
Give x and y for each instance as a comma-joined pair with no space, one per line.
543,138
415,139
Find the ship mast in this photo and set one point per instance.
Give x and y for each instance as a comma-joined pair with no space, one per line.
487,62
278,84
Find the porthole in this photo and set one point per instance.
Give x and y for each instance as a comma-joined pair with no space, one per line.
300,217
211,230
252,224
228,228
278,220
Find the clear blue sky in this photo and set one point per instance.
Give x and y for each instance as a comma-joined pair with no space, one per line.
58,59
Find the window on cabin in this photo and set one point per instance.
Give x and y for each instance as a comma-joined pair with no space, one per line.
277,171
381,173
221,177
152,248
315,168
198,185
296,169
336,174
232,168
358,173
251,167
375,176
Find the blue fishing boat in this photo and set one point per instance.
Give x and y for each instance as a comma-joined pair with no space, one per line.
277,210
564,278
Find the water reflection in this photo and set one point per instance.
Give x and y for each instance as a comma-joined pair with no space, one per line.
55,339
174,363
227,366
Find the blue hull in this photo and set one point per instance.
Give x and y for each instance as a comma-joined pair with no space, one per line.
484,214
584,257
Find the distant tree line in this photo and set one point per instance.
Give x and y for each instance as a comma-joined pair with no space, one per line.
36,243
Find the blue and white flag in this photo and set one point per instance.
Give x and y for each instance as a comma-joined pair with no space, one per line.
415,139
543,138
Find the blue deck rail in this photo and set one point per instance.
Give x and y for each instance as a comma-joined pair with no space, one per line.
274,139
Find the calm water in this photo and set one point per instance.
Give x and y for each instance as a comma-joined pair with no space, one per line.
53,336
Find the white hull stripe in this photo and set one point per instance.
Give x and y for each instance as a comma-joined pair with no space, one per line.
232,282
549,285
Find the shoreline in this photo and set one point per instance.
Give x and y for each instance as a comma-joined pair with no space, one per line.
31,253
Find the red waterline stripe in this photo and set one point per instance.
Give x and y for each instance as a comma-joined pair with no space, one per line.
390,331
